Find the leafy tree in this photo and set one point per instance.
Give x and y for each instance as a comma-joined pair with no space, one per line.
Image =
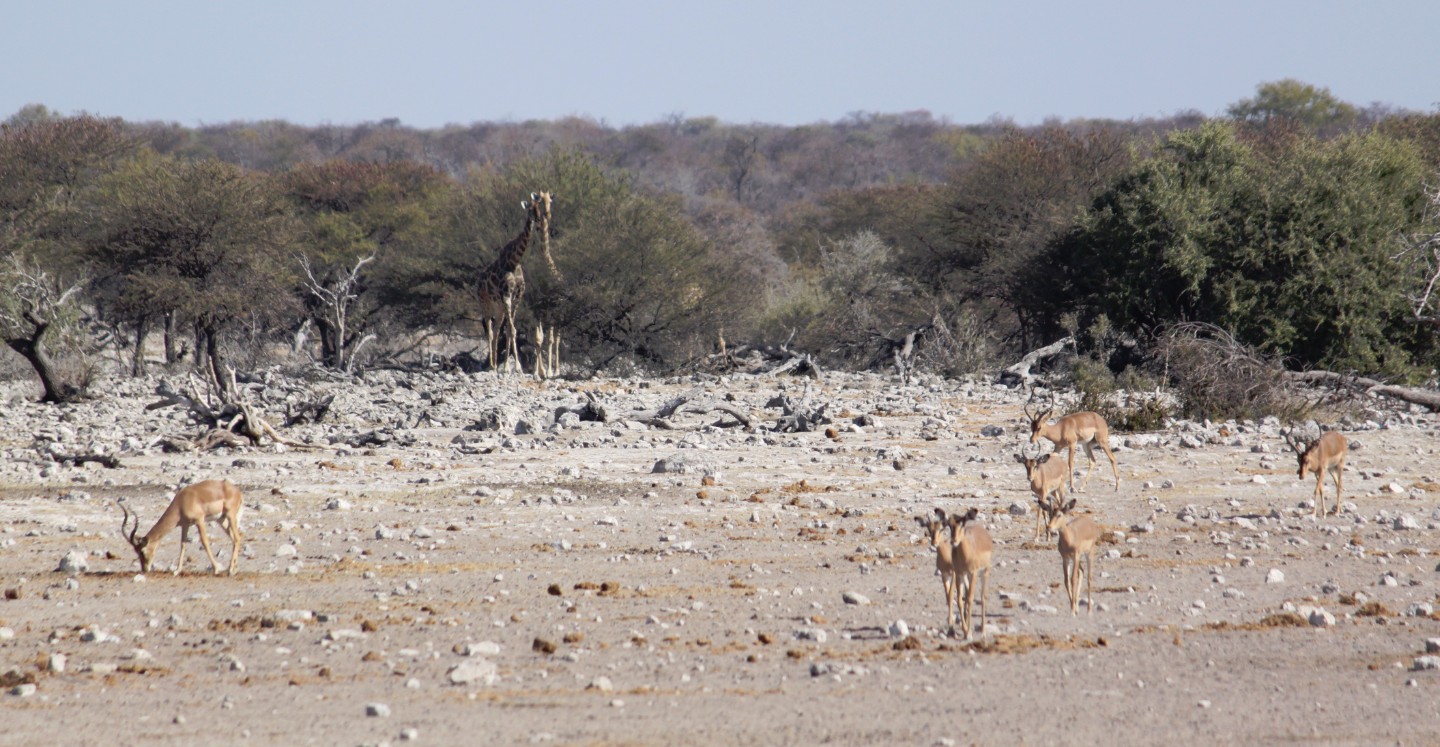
1002,212
353,215
47,164
1289,249
203,241
1312,108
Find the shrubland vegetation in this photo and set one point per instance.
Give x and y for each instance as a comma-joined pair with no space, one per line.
1302,229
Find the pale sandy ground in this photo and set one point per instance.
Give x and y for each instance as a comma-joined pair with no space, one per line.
699,637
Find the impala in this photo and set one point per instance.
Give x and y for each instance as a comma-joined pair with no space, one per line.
944,558
1324,454
1078,536
1085,428
1047,477
971,553
192,506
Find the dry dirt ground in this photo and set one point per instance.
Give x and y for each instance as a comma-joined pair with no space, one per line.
479,587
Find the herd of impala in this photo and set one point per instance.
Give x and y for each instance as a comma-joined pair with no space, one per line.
961,558
967,552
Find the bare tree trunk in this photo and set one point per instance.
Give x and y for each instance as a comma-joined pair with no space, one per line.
170,354
137,366
32,349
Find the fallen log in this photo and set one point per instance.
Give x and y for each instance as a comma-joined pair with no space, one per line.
1426,398
693,402
1019,374
105,460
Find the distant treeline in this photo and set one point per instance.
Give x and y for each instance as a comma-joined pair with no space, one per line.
1303,226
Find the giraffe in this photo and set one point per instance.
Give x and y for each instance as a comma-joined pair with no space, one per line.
502,282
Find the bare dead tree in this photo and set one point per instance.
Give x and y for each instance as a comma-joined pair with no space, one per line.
1423,249
335,300
36,305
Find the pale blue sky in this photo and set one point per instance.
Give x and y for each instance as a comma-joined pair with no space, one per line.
433,62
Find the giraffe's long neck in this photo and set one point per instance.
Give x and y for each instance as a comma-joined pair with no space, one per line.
513,252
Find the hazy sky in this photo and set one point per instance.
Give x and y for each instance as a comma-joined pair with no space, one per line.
434,62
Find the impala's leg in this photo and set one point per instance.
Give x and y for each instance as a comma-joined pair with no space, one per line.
1320,493
233,526
1070,463
1339,485
970,601
1089,464
1065,576
984,582
205,543
1114,467
948,580
1090,581
184,538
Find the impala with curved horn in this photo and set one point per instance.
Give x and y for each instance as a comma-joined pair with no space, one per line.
192,506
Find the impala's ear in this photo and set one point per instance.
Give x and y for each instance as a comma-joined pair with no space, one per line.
940,512
1020,458
923,522
971,514
1069,506
1043,459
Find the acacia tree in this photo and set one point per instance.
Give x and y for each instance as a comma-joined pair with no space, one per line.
355,218
202,240
46,163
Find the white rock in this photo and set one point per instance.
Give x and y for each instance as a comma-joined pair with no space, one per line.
854,597
1426,662
1406,521
24,690
1275,576
483,648
602,684
482,671
899,629
286,551
73,562
377,710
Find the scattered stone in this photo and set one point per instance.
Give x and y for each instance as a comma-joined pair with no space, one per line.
601,684
377,710
482,671
899,629
73,562
856,598
1425,662
1275,576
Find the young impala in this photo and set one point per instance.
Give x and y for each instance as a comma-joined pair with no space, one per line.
1087,429
191,507
972,553
1047,478
1324,454
1078,536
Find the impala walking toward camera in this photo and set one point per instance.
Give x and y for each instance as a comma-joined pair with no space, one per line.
1324,454
1078,536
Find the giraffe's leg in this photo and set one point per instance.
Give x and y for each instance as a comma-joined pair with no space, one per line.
554,352
490,341
514,356
540,351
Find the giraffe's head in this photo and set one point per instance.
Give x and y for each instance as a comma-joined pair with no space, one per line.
539,210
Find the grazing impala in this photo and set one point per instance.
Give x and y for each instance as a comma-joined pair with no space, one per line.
944,558
1047,477
972,552
1324,454
191,507
1085,428
1078,536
